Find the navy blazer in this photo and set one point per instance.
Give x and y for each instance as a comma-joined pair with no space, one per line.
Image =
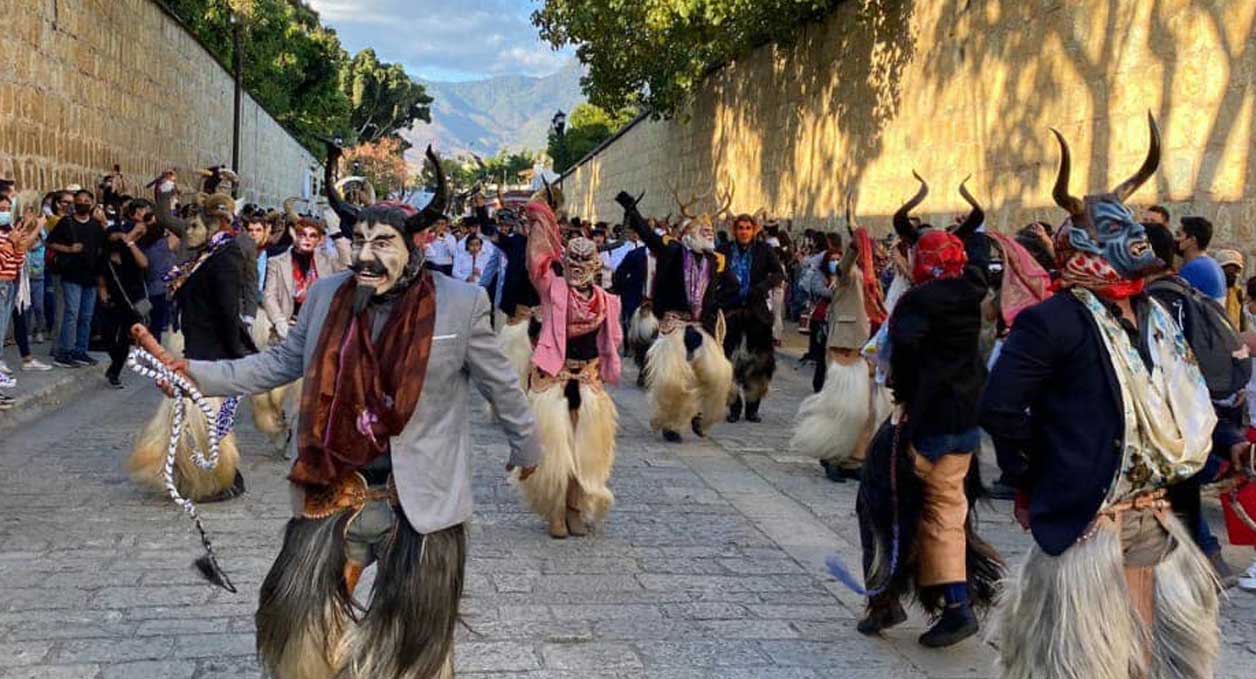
1054,406
628,281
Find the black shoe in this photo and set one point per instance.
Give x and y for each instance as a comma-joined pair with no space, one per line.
236,489
734,410
752,411
880,617
82,358
64,361
696,425
114,381
956,624
671,436
832,472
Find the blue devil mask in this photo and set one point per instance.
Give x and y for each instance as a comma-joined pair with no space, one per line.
1102,224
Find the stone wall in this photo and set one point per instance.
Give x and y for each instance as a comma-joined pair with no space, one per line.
952,87
90,83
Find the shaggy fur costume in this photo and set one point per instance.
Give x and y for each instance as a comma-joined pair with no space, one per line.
1071,616
310,627
681,388
517,345
891,568
643,330
752,372
832,423
576,424
148,459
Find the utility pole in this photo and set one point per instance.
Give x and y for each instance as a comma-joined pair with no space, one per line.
238,57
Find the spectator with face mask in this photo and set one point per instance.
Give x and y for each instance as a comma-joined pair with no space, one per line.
77,240
15,240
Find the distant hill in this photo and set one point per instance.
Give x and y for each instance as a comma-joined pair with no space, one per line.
486,116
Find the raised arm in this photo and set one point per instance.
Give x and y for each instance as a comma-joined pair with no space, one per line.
634,221
164,211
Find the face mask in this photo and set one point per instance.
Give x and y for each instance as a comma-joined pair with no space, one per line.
81,209
832,267
6,219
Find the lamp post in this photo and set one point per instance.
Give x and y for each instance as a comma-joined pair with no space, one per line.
238,58
559,125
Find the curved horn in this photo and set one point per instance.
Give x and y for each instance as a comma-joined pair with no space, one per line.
435,207
975,217
1060,193
902,219
1126,188
290,210
549,193
638,198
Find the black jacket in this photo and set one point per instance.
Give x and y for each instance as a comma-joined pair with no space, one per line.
209,309
669,292
765,274
1054,406
516,286
628,281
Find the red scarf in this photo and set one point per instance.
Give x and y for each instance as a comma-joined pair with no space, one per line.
302,279
361,393
874,297
1088,270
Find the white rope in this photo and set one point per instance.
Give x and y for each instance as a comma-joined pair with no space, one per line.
146,364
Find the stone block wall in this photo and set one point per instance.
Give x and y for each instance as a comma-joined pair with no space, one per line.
958,87
86,84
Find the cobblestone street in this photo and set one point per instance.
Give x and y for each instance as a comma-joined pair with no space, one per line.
710,564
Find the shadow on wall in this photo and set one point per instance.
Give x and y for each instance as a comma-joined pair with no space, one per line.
953,87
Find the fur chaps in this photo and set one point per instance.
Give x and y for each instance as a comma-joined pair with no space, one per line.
643,329
833,422
1072,616
518,349
269,409
681,388
148,458
577,444
752,372
310,627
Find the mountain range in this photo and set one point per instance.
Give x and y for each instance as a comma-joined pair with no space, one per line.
511,112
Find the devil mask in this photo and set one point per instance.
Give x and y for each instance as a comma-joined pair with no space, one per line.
580,262
1101,225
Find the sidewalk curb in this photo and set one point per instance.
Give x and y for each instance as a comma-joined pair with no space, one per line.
48,397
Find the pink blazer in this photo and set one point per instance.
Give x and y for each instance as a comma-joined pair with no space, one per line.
551,347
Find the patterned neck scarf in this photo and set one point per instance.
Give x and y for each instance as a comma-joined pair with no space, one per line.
1080,269
302,278
697,274
178,275
585,311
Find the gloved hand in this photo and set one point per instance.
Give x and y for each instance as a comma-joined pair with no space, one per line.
626,200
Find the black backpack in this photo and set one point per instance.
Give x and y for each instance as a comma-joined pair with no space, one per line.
1220,352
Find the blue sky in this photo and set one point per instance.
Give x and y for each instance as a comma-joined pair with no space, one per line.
450,40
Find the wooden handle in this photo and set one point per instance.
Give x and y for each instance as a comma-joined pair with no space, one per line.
141,336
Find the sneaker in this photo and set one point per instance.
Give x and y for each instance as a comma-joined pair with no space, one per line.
35,365
83,358
1247,582
64,361
40,338
6,402
7,381
114,381
4,368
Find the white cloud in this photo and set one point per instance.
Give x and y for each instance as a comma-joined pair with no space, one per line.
466,39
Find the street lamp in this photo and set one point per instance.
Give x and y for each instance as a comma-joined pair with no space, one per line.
559,124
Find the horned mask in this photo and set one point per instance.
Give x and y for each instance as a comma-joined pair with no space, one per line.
699,230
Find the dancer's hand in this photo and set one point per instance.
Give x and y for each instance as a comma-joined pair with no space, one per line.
180,367
1020,509
524,472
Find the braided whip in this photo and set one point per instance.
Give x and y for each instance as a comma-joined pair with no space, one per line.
145,363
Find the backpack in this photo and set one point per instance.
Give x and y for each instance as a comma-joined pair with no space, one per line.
1222,356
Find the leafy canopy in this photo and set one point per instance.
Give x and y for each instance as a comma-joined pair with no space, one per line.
296,68
587,126
654,53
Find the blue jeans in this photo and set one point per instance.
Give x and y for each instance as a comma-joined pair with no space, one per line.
937,445
35,313
159,318
8,297
76,326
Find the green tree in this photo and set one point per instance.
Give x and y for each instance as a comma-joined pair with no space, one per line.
384,99
587,126
655,53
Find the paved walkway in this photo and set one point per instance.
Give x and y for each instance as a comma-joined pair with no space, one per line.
710,565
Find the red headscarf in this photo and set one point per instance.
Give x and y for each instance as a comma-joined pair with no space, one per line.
937,254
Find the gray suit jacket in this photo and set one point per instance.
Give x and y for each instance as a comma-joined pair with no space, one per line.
277,293
431,456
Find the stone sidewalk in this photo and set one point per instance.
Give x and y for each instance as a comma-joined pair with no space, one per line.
710,564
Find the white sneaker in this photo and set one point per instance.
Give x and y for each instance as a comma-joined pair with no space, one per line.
1248,581
7,381
35,365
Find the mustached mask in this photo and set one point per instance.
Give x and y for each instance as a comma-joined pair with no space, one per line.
699,233
580,262
1101,225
